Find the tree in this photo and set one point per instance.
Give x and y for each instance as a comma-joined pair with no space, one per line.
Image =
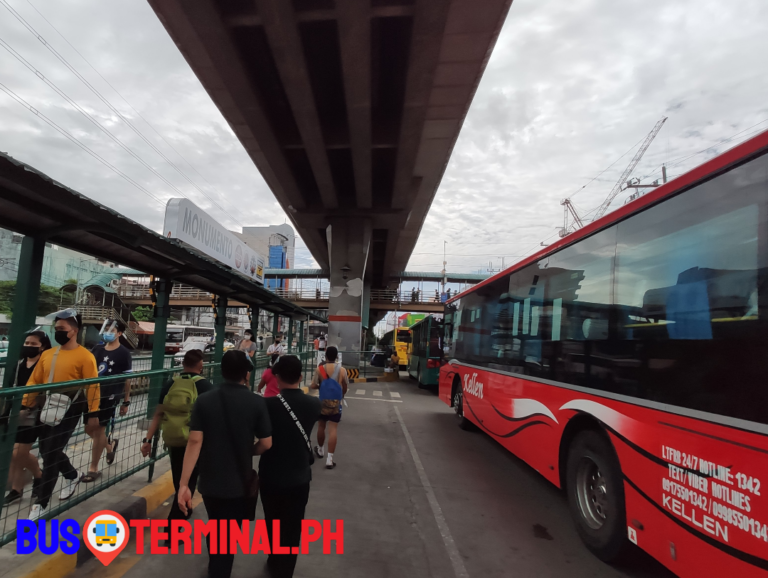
50,299
142,313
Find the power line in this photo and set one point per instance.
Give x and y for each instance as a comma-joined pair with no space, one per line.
36,112
64,61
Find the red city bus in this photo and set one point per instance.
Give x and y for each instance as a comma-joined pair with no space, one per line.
627,364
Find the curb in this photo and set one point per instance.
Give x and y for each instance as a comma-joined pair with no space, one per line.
371,379
134,507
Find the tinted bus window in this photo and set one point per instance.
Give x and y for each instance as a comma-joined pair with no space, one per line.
691,297
669,305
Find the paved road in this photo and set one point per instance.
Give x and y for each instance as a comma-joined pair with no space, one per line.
420,497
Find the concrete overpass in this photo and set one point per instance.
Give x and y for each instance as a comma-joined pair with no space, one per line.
350,109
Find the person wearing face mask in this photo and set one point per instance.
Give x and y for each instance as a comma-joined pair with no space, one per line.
35,343
68,362
112,359
276,347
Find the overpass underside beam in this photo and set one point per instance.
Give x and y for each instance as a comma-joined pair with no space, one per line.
349,242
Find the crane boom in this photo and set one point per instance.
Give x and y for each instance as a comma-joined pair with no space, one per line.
617,188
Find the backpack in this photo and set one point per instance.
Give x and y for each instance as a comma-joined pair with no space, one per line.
331,392
177,410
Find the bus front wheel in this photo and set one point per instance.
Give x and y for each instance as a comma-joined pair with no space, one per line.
596,496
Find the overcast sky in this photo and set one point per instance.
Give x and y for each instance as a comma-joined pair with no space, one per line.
570,88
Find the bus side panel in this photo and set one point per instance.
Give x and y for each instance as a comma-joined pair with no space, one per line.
702,486
675,547
447,373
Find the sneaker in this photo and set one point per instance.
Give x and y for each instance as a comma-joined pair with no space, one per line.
319,451
36,486
37,511
11,497
68,487
330,464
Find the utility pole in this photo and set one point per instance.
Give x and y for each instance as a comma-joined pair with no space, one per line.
663,173
445,262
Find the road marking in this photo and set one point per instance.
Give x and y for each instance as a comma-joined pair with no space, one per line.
394,394
360,392
377,394
442,525
371,399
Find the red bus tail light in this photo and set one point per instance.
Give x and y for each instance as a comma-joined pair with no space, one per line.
433,363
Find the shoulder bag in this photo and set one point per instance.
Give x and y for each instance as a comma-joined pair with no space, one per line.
250,480
56,404
301,428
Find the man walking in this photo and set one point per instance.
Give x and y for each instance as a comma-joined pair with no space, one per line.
112,359
68,362
225,425
284,470
173,414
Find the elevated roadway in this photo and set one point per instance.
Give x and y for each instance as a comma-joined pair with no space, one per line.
350,109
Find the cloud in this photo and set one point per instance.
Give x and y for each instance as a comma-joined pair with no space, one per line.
569,89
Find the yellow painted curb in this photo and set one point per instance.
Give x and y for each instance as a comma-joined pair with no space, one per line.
55,566
157,492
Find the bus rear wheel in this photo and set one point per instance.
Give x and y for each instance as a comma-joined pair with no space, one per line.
596,496
419,378
458,407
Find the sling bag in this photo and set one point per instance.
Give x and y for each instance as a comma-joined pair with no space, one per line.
301,428
56,404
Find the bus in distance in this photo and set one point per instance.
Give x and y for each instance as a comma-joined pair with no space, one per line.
176,336
426,351
626,364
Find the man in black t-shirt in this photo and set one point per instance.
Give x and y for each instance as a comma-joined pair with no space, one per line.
112,359
285,470
225,426
192,367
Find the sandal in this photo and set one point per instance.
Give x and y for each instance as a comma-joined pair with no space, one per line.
90,477
111,455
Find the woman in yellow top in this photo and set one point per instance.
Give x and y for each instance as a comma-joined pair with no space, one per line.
70,361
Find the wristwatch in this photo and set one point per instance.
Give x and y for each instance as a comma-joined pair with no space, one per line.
146,441
127,403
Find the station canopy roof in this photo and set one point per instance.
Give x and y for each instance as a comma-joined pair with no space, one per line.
32,203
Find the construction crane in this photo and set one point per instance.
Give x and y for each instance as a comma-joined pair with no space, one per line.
620,185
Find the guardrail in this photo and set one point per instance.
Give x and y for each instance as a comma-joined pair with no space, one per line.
300,294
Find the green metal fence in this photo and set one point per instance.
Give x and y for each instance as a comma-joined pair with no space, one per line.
129,430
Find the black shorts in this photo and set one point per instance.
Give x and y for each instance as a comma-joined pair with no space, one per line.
28,434
106,411
335,418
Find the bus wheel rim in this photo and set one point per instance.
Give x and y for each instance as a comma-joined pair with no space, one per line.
592,493
457,403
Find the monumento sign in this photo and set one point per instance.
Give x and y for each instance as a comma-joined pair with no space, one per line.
190,224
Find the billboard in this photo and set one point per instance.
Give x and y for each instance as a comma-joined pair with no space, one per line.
191,225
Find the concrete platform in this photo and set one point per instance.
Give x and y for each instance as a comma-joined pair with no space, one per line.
419,497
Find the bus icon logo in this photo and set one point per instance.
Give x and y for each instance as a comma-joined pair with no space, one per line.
106,534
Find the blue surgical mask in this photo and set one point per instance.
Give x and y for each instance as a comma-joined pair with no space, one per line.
109,337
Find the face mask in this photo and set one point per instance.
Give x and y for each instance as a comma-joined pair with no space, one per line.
28,351
61,337
109,337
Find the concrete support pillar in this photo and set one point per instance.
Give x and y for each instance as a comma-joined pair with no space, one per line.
349,241
275,326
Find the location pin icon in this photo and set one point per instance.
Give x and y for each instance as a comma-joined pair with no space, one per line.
106,533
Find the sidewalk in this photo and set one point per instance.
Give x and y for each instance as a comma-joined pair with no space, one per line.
132,496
